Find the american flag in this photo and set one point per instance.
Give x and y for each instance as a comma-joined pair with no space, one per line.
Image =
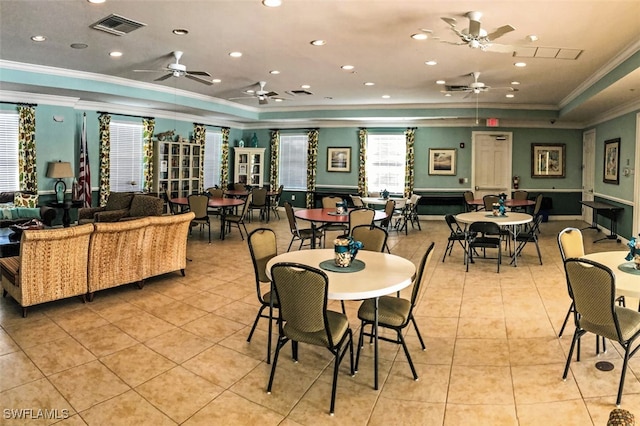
84,177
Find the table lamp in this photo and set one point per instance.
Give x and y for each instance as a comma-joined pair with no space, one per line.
60,170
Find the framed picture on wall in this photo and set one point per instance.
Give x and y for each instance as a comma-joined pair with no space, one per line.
442,161
548,160
338,159
612,161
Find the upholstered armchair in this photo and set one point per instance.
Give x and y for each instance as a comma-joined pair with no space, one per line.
116,208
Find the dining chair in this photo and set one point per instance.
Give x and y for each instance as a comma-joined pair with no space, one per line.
238,219
362,216
239,186
528,236
479,235
373,238
456,234
593,290
356,200
399,215
258,202
394,313
303,316
215,192
505,235
468,198
198,205
489,200
520,195
329,202
297,233
173,209
412,211
275,201
263,247
389,207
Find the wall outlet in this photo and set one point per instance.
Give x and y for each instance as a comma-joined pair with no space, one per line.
293,197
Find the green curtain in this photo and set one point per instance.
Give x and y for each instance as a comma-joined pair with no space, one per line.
362,172
224,161
410,135
27,175
199,137
148,125
275,155
312,166
105,146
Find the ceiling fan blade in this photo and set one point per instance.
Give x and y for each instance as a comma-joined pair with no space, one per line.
500,32
164,77
202,73
450,21
241,97
198,79
270,94
474,28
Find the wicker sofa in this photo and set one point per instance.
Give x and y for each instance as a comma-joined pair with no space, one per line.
59,263
123,206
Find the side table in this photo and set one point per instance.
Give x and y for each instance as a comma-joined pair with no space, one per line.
66,206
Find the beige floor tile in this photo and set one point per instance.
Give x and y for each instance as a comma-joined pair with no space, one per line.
213,327
88,384
144,326
178,345
130,406
17,369
59,355
480,415
137,364
544,350
231,409
79,320
478,352
7,344
147,299
400,412
114,309
208,301
179,393
594,383
482,385
542,383
36,395
33,332
236,365
105,340
177,313
482,328
572,412
432,384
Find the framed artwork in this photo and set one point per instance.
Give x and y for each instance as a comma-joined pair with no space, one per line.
612,161
548,160
338,159
442,161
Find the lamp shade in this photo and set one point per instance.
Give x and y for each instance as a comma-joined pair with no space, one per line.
59,170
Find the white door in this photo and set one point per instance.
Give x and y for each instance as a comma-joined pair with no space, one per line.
588,164
491,167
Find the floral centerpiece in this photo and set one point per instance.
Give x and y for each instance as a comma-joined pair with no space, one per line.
634,252
346,250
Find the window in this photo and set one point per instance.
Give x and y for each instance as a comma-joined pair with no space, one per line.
212,154
9,123
385,166
292,167
125,157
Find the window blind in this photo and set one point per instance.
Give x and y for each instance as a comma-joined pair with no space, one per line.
212,157
125,156
9,123
385,165
292,165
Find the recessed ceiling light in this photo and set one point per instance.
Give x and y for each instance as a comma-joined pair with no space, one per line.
38,38
386,96
318,42
274,72
216,80
278,99
115,54
249,91
440,82
347,67
272,3
447,94
235,54
432,62
532,37
419,36
515,83
520,64
509,95
369,83
79,45
305,86
96,1
180,31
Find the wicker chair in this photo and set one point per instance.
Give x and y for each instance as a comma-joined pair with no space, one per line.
165,244
302,293
52,265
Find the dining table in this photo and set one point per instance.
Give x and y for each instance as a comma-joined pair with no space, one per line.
240,193
328,216
627,277
509,202
511,220
224,204
377,201
378,274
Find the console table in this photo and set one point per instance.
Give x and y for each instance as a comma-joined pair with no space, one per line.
66,206
607,210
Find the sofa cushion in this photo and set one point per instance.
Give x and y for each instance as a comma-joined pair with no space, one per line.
146,205
119,201
26,213
7,197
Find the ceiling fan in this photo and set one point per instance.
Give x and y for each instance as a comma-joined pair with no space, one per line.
262,95
177,69
477,37
475,86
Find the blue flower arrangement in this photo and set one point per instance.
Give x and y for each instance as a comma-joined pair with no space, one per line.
634,248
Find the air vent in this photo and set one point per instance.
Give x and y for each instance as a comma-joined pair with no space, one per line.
456,88
547,53
299,93
117,25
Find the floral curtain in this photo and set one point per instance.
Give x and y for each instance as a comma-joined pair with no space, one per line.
224,161
275,153
409,163
148,125
312,166
28,178
105,146
362,175
199,137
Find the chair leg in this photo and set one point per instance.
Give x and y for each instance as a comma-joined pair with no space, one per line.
406,352
359,345
281,342
623,373
566,319
576,339
415,325
255,323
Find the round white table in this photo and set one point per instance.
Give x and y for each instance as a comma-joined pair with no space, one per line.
511,220
377,201
383,274
627,283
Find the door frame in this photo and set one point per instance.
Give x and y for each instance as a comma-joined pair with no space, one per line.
587,213
636,178
509,167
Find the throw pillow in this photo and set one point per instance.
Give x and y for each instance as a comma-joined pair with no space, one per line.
119,201
6,211
27,213
22,199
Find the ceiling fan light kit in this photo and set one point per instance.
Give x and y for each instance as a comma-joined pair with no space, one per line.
176,69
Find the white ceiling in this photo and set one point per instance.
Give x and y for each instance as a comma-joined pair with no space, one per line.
371,35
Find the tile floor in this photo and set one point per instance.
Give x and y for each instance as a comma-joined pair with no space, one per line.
175,352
